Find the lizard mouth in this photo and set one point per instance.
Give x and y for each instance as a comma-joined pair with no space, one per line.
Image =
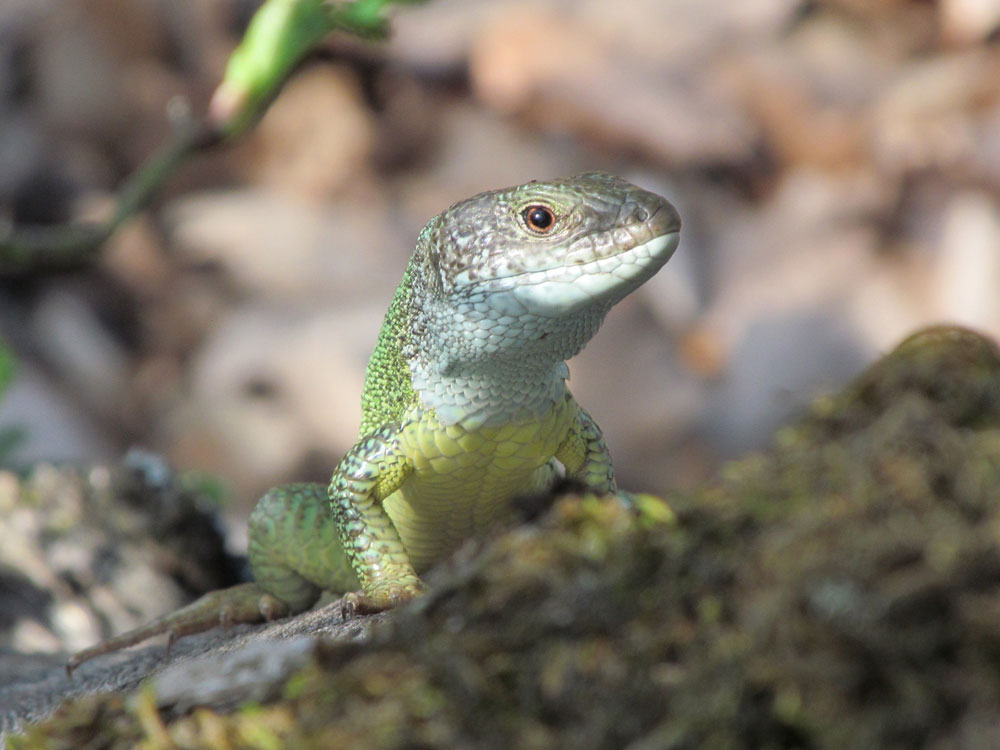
565,289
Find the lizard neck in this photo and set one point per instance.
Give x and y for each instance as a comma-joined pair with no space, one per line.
489,392
479,361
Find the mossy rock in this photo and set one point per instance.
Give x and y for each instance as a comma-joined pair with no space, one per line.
840,590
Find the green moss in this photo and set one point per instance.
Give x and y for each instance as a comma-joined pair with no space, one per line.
841,590
78,724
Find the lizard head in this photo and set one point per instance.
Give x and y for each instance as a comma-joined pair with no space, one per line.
555,246
535,268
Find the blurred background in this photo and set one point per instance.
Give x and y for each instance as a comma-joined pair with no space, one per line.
836,163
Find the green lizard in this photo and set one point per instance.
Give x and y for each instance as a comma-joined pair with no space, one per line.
465,403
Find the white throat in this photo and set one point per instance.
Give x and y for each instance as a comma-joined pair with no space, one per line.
490,394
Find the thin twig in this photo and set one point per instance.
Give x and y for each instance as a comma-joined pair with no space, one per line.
281,34
32,248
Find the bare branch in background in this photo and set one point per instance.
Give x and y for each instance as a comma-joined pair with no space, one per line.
279,36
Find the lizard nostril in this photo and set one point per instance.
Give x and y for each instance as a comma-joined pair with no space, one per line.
640,214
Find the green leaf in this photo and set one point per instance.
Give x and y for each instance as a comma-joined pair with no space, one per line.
280,34
8,368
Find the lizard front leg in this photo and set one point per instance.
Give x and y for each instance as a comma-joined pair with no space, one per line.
586,458
585,454
374,469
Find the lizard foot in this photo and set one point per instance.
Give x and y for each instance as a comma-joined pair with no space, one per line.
245,603
382,597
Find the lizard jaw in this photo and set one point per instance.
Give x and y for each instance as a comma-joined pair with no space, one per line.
563,290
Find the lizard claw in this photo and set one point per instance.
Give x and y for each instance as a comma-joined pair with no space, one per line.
382,597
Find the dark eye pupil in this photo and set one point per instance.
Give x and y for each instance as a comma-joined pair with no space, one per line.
539,217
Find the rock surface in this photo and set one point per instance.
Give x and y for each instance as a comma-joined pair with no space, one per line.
839,590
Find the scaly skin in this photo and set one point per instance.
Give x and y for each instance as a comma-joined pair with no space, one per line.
465,403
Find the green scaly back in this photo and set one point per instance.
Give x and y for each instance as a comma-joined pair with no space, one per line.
388,393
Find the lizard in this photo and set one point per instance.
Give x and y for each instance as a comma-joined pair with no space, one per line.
465,404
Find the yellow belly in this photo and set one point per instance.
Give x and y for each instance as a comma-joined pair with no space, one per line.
463,480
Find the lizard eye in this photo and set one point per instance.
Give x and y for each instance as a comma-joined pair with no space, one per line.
539,218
